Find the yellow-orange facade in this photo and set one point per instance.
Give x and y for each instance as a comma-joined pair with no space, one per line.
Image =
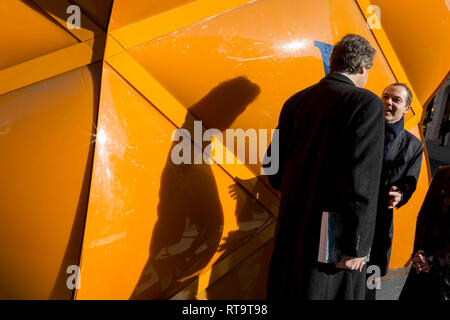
87,118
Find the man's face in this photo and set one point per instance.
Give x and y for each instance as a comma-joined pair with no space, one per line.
394,98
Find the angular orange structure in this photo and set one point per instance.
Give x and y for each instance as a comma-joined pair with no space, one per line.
92,205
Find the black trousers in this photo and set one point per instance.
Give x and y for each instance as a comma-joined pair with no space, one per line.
443,139
330,283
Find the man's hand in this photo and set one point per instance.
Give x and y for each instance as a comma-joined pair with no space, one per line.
420,262
351,263
395,197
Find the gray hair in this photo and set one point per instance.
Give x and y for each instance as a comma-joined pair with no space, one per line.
350,53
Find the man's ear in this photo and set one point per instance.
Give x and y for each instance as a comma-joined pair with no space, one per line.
362,69
407,109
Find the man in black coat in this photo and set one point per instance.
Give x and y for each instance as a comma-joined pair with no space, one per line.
429,277
401,168
330,155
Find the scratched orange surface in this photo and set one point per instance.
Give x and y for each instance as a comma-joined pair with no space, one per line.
275,50
137,225
152,225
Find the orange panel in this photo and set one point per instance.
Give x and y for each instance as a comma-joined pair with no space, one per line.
152,225
275,50
419,33
19,22
45,135
129,11
247,281
97,10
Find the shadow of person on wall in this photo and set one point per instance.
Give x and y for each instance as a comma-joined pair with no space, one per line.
248,280
190,216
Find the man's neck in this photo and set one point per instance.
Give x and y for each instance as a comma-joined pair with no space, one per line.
355,78
397,126
399,120
352,77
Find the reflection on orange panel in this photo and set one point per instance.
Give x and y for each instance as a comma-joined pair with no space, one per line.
275,50
405,218
46,153
128,11
247,281
28,32
153,225
413,28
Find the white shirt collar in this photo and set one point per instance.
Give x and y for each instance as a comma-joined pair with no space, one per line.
345,75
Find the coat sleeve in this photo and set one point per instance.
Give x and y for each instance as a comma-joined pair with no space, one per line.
362,179
407,184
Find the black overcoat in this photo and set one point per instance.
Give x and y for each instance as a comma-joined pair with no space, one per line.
331,139
401,168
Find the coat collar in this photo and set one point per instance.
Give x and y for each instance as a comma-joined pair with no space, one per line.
397,146
335,76
395,128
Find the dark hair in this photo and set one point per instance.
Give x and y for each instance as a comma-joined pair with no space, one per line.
408,91
350,53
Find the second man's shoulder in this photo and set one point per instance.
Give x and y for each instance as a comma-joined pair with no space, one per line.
414,141
366,96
